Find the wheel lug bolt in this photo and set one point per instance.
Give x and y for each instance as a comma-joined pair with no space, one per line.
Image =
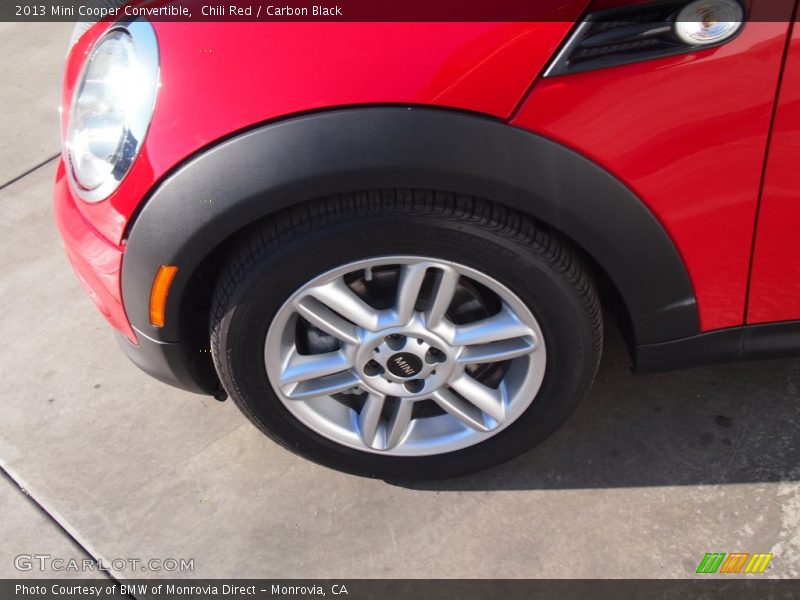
434,355
415,385
372,368
395,341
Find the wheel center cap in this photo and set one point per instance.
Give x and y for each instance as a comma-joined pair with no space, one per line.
404,364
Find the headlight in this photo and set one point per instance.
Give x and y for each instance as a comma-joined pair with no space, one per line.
111,108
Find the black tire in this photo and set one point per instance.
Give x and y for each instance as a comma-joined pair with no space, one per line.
274,258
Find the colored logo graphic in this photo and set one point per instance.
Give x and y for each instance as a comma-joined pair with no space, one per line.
737,562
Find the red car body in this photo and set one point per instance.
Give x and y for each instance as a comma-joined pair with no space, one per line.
707,140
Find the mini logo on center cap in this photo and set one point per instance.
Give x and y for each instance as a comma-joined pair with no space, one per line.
404,364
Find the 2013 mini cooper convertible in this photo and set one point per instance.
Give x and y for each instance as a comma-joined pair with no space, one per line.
390,243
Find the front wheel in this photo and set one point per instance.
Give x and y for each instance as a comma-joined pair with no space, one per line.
405,334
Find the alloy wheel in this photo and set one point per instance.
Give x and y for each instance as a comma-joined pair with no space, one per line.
405,356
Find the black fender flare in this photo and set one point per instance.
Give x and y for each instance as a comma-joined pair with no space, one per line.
258,172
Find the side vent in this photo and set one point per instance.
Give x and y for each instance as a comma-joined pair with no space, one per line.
636,33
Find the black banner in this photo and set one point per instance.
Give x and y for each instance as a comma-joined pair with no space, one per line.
338,10
396,589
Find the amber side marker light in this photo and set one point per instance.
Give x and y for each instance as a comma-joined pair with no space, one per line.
158,295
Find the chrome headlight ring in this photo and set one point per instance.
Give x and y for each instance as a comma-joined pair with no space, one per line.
111,109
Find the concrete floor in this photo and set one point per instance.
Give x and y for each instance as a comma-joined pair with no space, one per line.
26,530
650,473
30,71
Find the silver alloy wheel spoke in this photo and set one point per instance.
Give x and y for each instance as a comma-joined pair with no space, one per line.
408,288
399,423
354,373
340,298
488,400
496,351
324,386
302,367
323,318
467,413
443,292
369,420
503,326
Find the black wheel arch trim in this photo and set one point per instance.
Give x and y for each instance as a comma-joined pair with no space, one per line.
256,173
173,363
